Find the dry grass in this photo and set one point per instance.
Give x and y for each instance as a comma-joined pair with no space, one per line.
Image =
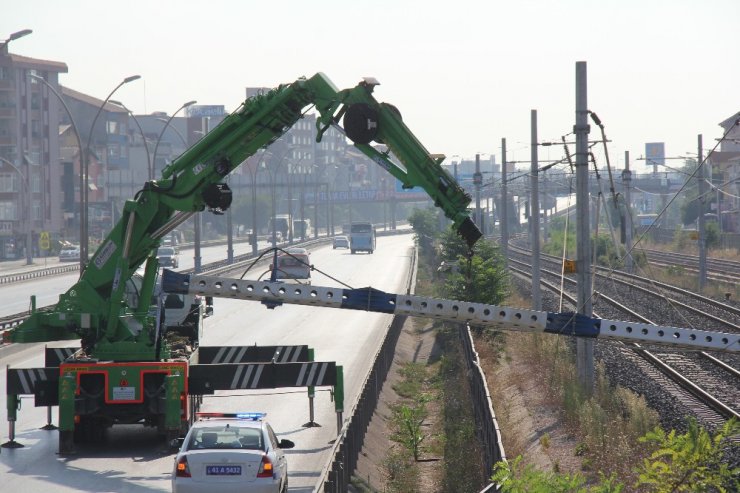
572,433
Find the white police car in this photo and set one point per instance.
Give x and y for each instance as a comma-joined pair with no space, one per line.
230,452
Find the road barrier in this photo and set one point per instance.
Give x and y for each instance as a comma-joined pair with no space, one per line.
336,475
33,274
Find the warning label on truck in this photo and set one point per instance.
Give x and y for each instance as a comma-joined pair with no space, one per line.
124,393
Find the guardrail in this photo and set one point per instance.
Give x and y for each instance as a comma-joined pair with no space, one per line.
336,475
33,274
487,429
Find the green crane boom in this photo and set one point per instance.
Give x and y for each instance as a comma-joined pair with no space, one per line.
94,309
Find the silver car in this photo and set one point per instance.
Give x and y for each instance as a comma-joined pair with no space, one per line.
340,242
167,257
69,254
231,452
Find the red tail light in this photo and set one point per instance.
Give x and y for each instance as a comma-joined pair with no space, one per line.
182,470
265,470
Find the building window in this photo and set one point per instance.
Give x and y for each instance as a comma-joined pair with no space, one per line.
9,182
36,211
36,73
35,100
112,127
114,151
6,73
34,157
35,128
8,211
35,184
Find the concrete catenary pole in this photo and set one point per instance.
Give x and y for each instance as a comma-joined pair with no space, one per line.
584,347
478,181
700,176
627,184
534,217
545,208
504,216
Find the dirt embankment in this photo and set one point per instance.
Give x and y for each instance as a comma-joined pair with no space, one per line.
531,424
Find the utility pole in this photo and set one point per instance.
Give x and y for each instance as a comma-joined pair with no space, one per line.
584,347
504,216
626,184
534,217
545,208
478,181
197,217
229,237
700,175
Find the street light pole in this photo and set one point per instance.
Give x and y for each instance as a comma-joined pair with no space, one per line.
161,134
27,197
253,238
79,146
84,240
13,37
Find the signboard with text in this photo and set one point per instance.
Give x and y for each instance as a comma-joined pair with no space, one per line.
203,110
655,153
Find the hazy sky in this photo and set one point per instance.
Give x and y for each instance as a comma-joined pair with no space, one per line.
463,73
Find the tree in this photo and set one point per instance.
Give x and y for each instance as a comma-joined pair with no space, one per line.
514,478
424,222
694,461
409,420
480,279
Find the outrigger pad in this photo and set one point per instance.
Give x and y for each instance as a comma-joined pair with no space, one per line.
469,232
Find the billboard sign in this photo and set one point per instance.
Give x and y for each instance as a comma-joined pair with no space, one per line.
655,153
204,110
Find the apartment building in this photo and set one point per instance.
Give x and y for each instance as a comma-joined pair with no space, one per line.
29,154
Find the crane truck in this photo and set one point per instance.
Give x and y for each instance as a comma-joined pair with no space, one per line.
130,368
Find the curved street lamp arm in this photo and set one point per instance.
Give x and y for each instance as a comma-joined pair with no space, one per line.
167,124
84,176
81,159
143,136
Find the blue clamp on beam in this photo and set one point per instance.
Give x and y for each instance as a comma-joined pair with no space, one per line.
369,299
569,323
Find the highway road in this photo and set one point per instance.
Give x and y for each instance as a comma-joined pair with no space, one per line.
47,290
135,460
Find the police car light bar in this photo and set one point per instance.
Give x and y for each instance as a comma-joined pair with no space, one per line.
252,416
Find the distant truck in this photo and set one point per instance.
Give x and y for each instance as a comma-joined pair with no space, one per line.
280,224
301,228
362,237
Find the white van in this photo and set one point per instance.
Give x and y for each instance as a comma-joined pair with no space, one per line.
294,263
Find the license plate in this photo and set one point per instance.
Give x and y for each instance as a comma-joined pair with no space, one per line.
223,470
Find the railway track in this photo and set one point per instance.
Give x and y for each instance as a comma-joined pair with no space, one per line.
676,383
720,270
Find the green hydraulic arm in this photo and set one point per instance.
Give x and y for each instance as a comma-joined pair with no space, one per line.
94,308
